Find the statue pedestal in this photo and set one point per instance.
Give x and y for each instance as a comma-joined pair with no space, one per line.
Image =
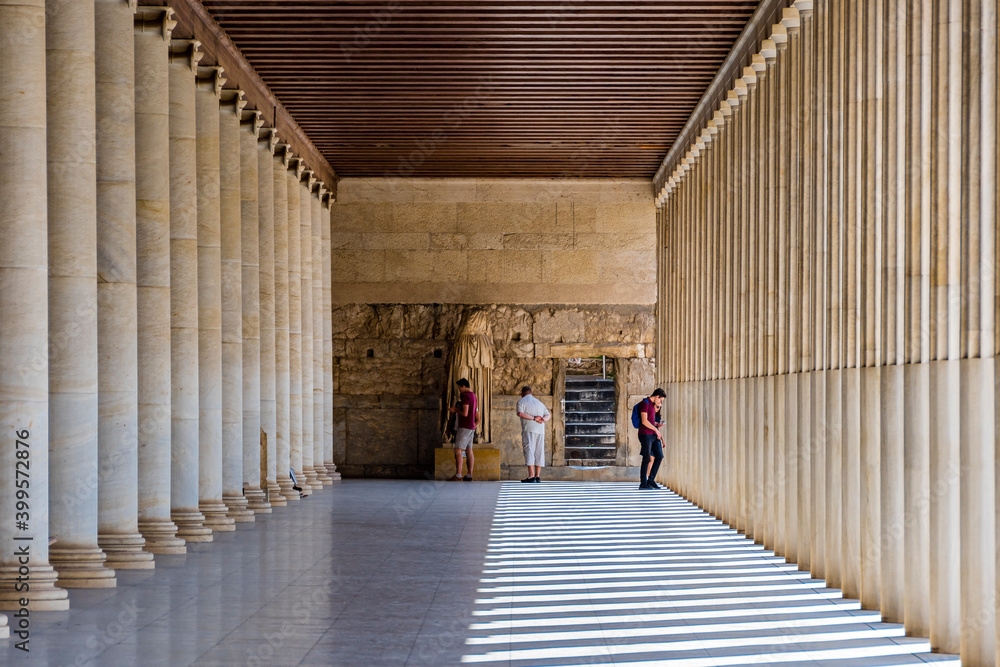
487,467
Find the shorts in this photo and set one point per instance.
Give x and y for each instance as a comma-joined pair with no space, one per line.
463,437
533,445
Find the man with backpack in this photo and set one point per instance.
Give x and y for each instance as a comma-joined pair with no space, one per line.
650,438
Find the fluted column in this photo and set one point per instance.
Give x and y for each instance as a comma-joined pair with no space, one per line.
319,389
24,365
292,177
118,493
209,88
72,240
152,208
331,467
305,263
281,323
184,462
229,112
250,391
266,234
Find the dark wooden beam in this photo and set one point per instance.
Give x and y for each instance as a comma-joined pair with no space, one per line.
194,20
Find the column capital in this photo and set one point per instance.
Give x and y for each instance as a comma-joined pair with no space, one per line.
768,53
211,76
779,35
159,19
300,166
308,176
805,7
288,159
321,191
190,49
253,120
790,19
234,97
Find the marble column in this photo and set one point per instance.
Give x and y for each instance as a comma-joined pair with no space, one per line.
152,210
230,110
281,325
209,88
254,478
319,389
306,325
265,231
331,467
292,177
24,364
72,241
118,493
184,462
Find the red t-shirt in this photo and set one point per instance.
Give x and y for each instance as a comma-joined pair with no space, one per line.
650,410
468,421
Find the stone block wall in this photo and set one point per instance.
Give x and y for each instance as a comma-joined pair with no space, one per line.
389,374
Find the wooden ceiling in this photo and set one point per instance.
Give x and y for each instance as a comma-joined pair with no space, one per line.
567,88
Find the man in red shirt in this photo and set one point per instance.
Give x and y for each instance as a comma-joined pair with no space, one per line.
650,440
468,418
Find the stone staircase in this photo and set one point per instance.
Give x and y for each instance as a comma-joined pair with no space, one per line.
590,421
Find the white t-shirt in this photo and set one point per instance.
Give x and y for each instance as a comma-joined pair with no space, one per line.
530,405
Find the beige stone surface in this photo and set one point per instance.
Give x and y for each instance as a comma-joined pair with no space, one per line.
559,326
511,374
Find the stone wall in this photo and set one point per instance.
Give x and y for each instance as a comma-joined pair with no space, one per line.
389,374
486,241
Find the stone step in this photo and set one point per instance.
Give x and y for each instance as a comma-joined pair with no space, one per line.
590,429
590,452
590,395
590,440
590,463
590,417
590,384
590,406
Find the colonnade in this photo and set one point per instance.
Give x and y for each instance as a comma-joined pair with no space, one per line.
827,314
165,299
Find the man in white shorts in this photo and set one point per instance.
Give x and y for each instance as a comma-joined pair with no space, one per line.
533,416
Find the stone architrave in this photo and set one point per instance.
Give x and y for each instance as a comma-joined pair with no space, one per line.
184,460
471,357
117,491
266,234
281,319
306,273
209,88
251,313
152,209
292,176
24,365
229,113
72,241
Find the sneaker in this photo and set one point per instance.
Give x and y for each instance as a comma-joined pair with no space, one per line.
456,478
653,485
528,480
467,478
536,480
643,485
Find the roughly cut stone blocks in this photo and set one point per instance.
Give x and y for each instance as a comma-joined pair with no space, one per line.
559,326
510,375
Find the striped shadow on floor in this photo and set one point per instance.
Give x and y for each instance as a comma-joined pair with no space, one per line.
606,573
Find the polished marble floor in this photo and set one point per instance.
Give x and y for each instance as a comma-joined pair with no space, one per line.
374,573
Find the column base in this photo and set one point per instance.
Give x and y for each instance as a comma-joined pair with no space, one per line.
216,518
4,630
125,551
161,537
44,594
256,501
323,475
191,526
312,477
290,494
274,495
331,468
238,510
81,567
